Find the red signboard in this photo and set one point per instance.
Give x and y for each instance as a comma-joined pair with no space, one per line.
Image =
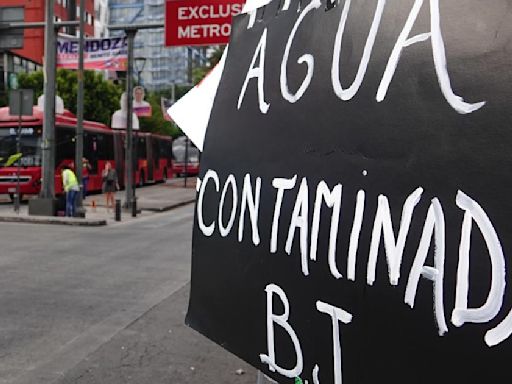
199,22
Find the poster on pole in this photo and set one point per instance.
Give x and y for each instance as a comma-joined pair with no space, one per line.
102,54
141,107
199,22
353,216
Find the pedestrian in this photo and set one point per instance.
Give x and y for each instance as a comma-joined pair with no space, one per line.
86,167
70,184
110,184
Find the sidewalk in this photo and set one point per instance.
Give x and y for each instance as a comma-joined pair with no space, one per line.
159,348
150,200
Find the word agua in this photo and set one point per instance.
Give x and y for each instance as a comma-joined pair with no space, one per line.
404,40
394,245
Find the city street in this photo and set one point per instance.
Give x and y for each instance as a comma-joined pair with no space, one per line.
320,188
104,305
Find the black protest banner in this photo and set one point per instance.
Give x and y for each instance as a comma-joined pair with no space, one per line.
353,219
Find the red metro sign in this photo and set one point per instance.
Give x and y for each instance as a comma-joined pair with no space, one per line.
199,22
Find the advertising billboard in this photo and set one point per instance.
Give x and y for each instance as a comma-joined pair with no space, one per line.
199,22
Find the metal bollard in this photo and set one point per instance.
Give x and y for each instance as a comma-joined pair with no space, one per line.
118,210
134,207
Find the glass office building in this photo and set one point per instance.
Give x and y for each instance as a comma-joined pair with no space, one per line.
164,66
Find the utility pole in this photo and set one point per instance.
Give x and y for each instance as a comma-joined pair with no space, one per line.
79,143
189,69
48,147
129,161
46,202
131,31
186,160
18,151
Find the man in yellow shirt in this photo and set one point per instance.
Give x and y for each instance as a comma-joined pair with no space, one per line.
70,184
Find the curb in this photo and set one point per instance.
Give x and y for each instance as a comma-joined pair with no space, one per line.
169,207
82,222
53,220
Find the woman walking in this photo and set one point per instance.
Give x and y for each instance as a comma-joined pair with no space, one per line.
110,184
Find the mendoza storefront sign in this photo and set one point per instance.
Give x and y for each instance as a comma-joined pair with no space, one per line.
199,22
104,54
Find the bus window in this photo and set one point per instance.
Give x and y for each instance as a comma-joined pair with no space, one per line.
156,151
105,146
109,145
30,147
165,149
90,151
141,147
64,145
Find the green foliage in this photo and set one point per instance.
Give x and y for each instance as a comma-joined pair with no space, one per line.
156,123
214,57
199,74
179,92
101,97
32,80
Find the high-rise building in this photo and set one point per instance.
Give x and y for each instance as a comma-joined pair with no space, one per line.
164,66
101,18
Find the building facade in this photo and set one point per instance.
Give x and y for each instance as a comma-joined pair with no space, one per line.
30,57
164,66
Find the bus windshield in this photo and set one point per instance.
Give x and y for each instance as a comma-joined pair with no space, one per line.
30,147
179,150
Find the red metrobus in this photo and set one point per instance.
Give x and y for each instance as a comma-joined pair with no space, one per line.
153,161
186,157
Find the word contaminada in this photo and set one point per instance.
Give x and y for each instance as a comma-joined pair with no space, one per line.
433,227
404,40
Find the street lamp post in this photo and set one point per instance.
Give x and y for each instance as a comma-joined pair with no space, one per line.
129,161
79,143
130,31
45,204
50,51
139,63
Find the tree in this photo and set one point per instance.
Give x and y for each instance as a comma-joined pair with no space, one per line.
156,123
34,81
213,58
101,97
179,91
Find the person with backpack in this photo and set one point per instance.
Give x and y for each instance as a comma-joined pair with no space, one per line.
110,184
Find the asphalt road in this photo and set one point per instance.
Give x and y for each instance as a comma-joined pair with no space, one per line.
103,305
